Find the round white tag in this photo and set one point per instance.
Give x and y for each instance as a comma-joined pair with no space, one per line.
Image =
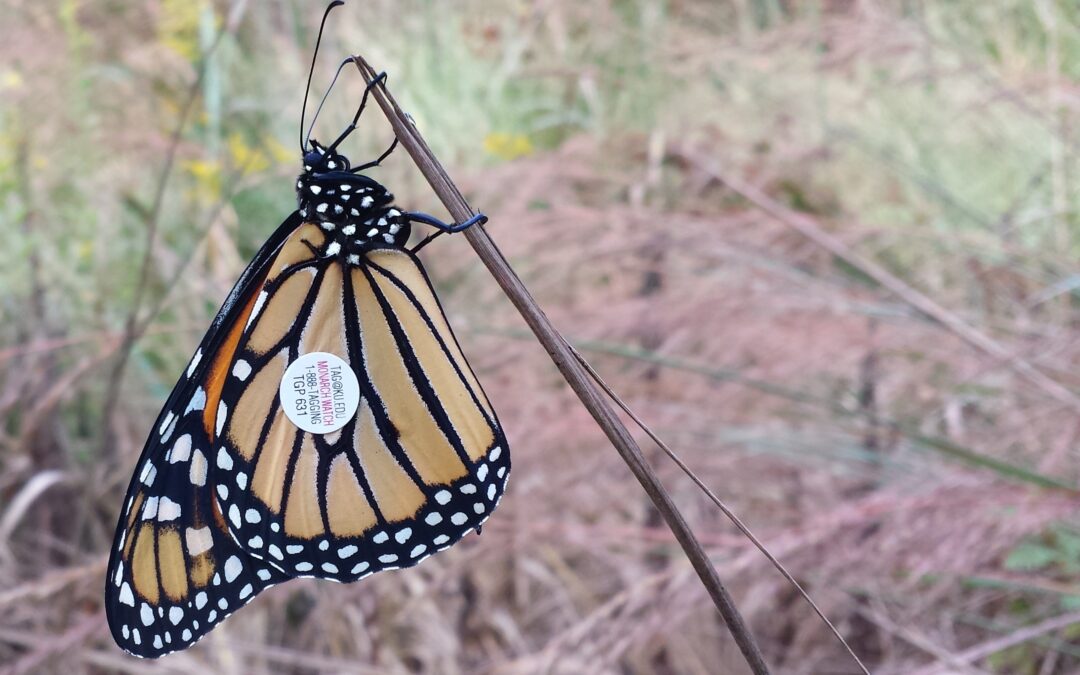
319,392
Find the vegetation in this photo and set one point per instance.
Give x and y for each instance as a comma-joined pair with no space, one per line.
713,199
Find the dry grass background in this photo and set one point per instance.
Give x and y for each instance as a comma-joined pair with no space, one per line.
923,490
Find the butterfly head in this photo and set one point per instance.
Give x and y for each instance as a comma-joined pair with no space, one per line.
321,160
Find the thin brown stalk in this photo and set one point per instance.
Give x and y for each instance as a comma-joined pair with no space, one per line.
563,357
719,504
134,329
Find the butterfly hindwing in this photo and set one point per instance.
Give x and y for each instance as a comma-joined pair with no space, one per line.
174,570
422,461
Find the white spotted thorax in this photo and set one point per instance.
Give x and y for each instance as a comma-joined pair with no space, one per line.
355,211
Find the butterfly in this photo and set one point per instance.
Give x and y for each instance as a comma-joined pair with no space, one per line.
328,425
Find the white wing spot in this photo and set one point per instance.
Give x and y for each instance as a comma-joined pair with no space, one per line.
232,568
224,461
168,510
259,302
241,369
198,540
148,474
150,508
197,474
222,413
181,450
126,596
194,362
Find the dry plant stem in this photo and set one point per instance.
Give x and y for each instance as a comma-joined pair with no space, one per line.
719,504
991,647
133,328
809,228
564,360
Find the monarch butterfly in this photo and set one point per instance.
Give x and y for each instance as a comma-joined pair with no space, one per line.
327,426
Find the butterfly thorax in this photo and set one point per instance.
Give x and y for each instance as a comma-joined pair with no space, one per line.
355,210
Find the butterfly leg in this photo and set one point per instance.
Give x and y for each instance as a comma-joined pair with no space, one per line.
377,162
450,228
443,228
377,80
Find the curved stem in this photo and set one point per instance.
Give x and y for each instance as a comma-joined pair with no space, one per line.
576,376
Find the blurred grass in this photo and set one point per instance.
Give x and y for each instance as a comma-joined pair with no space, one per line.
938,138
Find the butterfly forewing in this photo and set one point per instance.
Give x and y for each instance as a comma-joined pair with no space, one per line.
174,570
420,463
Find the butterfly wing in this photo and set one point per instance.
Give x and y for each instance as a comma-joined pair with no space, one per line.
423,460
174,571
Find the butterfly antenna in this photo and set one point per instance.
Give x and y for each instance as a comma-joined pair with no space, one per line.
322,102
311,72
